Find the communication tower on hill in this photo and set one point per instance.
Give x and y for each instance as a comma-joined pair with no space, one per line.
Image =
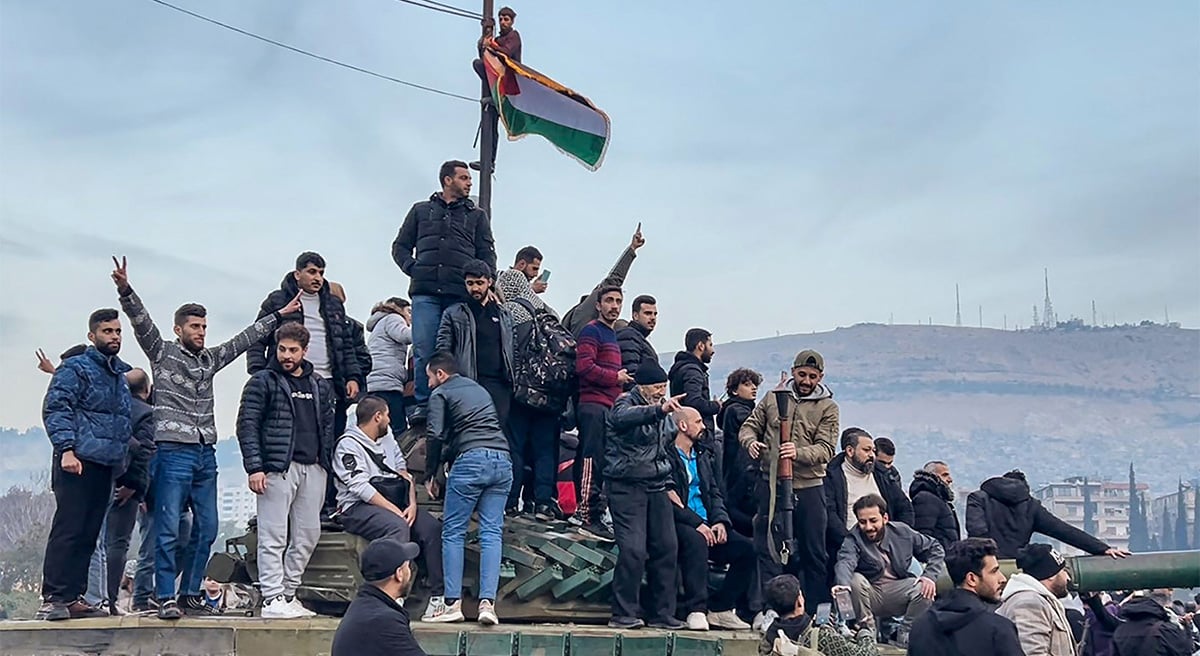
957,308
1049,320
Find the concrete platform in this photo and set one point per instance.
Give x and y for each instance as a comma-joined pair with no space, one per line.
145,636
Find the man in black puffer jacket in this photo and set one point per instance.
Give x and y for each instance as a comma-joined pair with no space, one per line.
689,376
439,236
932,497
1003,510
634,338
331,352
285,431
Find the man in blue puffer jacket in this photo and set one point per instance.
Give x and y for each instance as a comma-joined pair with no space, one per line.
86,414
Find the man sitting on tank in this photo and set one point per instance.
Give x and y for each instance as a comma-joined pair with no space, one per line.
368,469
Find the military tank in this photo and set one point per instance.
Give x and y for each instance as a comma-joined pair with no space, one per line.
549,571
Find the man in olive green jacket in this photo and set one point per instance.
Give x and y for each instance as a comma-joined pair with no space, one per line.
811,445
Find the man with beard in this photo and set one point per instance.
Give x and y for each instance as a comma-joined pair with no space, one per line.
638,468
932,493
885,459
689,376
479,334
285,431
87,418
852,475
962,622
439,236
601,378
376,624
813,416
331,345
874,566
634,338
186,433
1031,601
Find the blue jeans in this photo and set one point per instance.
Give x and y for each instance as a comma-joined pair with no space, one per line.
143,581
184,474
479,480
426,317
97,589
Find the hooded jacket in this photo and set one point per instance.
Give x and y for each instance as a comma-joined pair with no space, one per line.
339,337
436,241
689,376
265,426
1041,620
962,624
900,545
814,431
711,494
637,438
389,341
1003,510
1148,623
933,509
900,509
354,466
456,335
634,341
741,473
86,409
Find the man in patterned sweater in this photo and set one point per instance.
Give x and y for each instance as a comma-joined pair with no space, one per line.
186,432
601,378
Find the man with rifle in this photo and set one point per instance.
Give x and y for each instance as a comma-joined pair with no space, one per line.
790,524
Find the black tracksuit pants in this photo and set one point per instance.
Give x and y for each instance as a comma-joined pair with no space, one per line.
81,500
644,524
588,470
809,562
694,557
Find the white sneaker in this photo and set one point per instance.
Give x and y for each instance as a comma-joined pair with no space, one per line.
727,619
443,613
763,620
697,622
278,608
300,609
487,613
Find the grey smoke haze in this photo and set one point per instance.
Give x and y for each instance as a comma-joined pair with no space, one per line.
796,167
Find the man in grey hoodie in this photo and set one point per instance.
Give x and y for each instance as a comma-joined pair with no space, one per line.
366,453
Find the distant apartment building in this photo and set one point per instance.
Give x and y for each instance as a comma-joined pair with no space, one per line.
1110,514
1164,519
238,504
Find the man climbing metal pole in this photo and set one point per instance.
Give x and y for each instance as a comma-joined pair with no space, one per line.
509,43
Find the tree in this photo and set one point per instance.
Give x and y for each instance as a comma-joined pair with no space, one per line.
1139,526
25,518
1089,510
1196,514
1181,519
1168,531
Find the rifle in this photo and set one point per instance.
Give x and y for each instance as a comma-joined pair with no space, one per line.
780,482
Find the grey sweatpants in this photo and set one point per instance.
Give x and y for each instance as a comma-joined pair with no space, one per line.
291,503
902,597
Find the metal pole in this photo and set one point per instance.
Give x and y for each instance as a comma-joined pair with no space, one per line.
488,117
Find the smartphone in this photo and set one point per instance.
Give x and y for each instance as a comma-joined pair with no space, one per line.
545,277
844,605
823,613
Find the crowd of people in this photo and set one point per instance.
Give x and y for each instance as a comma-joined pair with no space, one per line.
800,515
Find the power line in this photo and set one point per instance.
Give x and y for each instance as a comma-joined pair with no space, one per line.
444,8
314,55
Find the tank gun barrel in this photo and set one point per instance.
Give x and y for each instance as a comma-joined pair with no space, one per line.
1140,571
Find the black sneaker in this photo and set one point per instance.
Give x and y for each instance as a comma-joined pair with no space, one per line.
512,511
598,531
668,624
53,611
548,512
194,606
169,610
625,623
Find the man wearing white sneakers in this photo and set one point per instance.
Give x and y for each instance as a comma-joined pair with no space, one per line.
285,431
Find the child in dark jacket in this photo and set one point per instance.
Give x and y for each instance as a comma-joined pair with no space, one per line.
793,627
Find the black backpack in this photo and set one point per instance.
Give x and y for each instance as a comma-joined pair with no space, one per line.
544,362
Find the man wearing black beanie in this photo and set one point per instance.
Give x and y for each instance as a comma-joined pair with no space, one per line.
638,468
1031,601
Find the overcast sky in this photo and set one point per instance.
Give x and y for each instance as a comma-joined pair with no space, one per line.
796,166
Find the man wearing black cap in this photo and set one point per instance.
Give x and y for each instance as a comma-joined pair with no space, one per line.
638,468
1031,601
376,623
810,446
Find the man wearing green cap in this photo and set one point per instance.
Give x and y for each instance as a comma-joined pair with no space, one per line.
813,417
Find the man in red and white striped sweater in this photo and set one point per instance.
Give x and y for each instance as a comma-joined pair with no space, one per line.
601,379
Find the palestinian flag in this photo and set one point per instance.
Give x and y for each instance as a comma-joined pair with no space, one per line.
531,103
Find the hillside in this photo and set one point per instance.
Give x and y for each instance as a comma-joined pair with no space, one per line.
1054,404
